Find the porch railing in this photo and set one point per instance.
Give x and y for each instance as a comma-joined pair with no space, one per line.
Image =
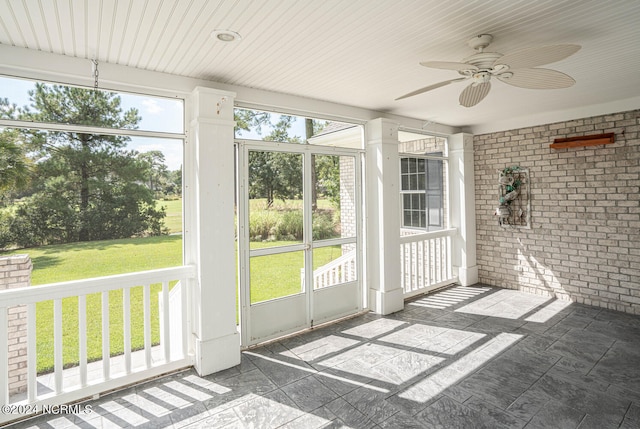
114,374
340,270
425,260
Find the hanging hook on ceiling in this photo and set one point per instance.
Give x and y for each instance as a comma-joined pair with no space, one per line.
219,104
95,72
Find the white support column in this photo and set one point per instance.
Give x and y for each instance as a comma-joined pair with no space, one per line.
383,217
210,230
463,213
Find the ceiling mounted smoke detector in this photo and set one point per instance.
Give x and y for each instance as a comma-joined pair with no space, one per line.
226,35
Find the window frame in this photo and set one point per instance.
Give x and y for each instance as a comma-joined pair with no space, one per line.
90,129
423,214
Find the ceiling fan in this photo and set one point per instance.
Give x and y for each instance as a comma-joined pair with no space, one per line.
517,69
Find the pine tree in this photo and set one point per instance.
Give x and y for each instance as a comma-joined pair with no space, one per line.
85,186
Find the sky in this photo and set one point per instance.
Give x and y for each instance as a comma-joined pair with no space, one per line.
158,114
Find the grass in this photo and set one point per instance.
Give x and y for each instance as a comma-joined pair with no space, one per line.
173,209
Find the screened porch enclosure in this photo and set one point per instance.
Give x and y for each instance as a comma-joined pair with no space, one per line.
348,221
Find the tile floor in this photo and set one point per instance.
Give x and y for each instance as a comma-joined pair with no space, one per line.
464,357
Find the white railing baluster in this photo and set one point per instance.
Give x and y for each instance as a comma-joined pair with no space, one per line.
403,280
443,257
183,316
146,298
106,347
32,381
126,328
414,247
166,334
4,356
425,260
335,272
432,261
421,265
82,338
449,269
57,344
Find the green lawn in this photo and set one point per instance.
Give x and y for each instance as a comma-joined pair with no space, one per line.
173,209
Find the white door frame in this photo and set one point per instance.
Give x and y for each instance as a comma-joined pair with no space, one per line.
293,305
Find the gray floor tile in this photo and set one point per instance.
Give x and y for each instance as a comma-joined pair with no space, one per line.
319,418
402,420
556,415
621,364
371,403
309,393
573,394
500,416
348,415
582,345
446,413
268,411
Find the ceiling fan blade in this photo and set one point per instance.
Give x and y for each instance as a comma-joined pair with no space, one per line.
430,87
447,65
537,79
474,93
534,57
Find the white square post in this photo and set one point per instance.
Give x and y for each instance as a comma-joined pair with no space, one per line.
463,212
210,230
383,217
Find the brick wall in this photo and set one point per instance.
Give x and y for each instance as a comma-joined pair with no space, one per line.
584,241
348,225
15,272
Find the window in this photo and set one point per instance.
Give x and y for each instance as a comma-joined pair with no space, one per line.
422,193
97,177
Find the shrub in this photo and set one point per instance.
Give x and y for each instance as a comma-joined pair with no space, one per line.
290,226
262,224
324,226
5,234
287,225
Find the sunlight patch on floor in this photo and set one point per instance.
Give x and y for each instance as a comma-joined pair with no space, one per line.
436,383
448,297
508,304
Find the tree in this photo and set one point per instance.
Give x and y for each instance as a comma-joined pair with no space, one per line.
14,165
156,170
85,186
275,174
328,177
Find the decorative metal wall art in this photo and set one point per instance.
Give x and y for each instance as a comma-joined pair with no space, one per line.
514,208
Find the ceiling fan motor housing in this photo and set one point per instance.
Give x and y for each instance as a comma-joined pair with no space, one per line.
483,60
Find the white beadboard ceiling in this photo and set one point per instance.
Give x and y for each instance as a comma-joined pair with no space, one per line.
362,53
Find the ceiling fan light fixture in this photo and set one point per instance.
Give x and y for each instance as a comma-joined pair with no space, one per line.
481,77
226,36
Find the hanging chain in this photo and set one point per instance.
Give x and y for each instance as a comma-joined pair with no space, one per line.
95,74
